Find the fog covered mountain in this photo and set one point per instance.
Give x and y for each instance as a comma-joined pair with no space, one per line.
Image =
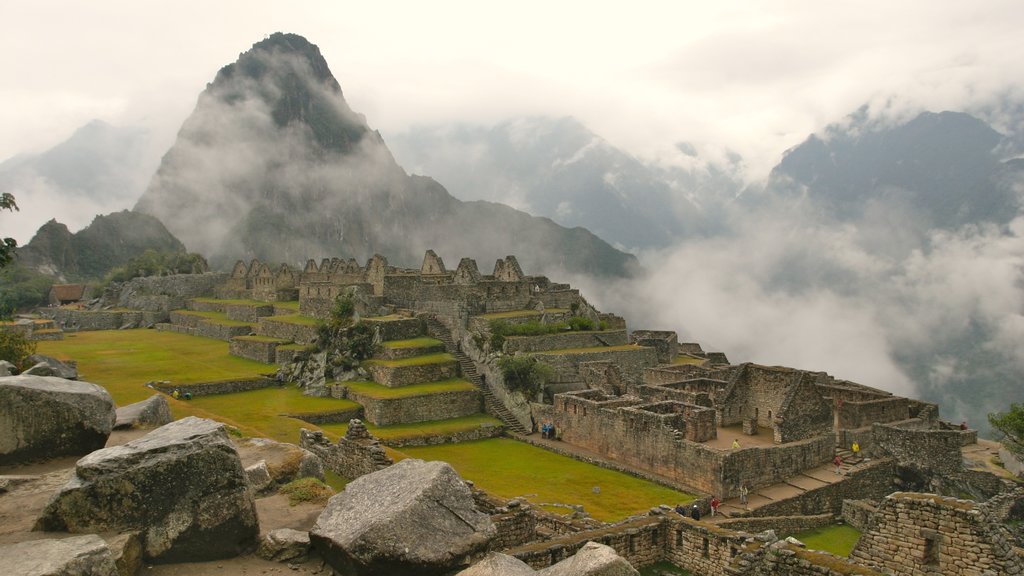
558,168
273,164
99,169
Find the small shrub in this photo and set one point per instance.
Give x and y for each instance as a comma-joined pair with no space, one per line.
524,374
581,323
15,347
306,490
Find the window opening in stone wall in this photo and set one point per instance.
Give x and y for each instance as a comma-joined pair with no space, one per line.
679,537
769,415
755,413
654,538
931,548
632,544
704,548
732,551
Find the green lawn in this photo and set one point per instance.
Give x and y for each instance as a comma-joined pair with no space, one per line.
374,390
838,539
293,319
439,358
662,568
432,428
259,412
123,360
413,343
508,468
216,317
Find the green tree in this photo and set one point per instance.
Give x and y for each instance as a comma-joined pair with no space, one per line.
524,373
14,348
1011,424
7,245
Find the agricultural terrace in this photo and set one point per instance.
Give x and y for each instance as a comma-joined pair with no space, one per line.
124,360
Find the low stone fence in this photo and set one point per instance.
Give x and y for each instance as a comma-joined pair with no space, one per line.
782,525
216,387
565,340
401,329
386,353
197,305
479,433
515,527
86,320
410,409
631,361
336,417
350,458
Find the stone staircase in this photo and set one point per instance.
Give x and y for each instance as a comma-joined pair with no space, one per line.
435,329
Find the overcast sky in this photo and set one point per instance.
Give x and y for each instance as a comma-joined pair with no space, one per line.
756,77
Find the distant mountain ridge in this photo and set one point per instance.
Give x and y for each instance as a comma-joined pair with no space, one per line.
273,164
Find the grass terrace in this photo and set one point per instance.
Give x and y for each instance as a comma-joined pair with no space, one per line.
216,317
432,428
687,359
593,349
838,539
512,314
440,358
388,318
123,360
233,302
374,390
255,338
293,319
508,468
413,343
290,305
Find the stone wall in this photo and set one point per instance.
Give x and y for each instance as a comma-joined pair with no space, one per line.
409,409
858,414
207,329
515,527
640,541
354,455
860,514
664,341
565,340
917,534
782,525
407,375
478,433
255,348
935,451
85,320
631,361
708,550
292,331
401,329
872,480
248,312
216,387
162,294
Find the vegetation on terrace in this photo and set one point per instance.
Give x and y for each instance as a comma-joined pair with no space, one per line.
419,429
500,329
838,539
412,343
216,317
374,390
293,319
123,360
508,468
423,360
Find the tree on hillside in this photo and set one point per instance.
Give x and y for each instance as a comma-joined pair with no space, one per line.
7,245
1011,424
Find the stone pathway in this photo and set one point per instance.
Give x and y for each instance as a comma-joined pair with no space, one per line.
808,480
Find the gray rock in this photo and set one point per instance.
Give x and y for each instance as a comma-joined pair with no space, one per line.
413,517
152,411
592,560
7,369
498,564
182,485
126,550
75,556
49,366
284,545
285,462
42,417
259,476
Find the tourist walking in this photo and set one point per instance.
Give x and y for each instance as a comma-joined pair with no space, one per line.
838,463
735,444
855,448
695,512
715,503
743,494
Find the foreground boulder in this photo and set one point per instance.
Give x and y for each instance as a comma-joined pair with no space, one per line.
182,486
75,556
49,366
151,412
43,417
284,545
284,462
592,560
414,517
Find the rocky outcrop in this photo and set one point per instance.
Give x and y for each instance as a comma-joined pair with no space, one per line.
284,545
7,369
47,366
283,462
592,560
414,517
75,556
42,417
151,412
181,485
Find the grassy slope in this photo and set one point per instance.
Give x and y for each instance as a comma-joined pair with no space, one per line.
509,468
838,540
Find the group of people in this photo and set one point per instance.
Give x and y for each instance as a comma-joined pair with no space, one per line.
694,511
547,430
177,394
